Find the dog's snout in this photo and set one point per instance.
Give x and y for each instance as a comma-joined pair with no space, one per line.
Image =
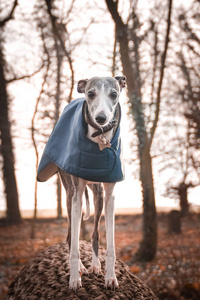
101,118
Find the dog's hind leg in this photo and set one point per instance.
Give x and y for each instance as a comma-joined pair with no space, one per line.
69,188
98,205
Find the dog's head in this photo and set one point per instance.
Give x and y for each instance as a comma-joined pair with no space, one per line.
102,96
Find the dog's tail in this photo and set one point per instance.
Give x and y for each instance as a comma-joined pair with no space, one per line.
87,214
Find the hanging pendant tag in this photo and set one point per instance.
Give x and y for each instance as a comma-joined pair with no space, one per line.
104,142
103,146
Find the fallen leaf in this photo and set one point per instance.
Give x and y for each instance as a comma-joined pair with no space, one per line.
135,269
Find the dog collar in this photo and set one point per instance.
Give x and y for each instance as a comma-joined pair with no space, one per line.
101,129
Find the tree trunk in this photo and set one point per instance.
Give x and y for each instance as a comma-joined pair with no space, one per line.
148,246
13,213
175,222
182,192
147,250
59,198
59,54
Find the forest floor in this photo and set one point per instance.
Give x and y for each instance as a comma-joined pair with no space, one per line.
173,274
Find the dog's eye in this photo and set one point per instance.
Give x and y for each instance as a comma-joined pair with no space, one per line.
91,95
113,95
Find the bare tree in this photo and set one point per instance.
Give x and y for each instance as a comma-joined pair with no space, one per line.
178,188
6,148
59,78
129,42
60,34
46,64
52,58
189,64
187,91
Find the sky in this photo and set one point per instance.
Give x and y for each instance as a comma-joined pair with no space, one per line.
128,193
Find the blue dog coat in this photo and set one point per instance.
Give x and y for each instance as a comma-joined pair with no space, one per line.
69,149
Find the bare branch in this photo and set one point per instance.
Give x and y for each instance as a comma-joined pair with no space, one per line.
112,6
10,16
70,9
155,63
59,37
122,38
163,59
84,31
185,26
25,76
114,54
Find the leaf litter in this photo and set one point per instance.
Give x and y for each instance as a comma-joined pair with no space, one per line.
173,274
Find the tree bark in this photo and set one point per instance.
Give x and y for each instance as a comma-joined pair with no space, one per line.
12,201
148,245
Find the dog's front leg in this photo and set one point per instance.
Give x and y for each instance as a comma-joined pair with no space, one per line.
98,205
76,212
110,278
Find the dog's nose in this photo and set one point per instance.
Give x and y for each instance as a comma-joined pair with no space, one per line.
101,118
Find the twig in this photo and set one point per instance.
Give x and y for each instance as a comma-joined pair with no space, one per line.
25,76
10,16
163,59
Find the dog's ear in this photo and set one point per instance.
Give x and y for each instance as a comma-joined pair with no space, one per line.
121,80
81,85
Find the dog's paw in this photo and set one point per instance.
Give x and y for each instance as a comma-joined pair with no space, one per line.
111,283
96,270
75,283
82,268
96,266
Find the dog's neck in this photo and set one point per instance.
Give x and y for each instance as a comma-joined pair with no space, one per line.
101,135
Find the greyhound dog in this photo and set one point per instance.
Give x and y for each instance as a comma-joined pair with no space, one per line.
98,115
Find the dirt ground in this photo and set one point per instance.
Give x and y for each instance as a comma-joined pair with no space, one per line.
173,274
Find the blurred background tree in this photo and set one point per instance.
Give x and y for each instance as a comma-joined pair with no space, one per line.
132,39
58,77
178,146
6,144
